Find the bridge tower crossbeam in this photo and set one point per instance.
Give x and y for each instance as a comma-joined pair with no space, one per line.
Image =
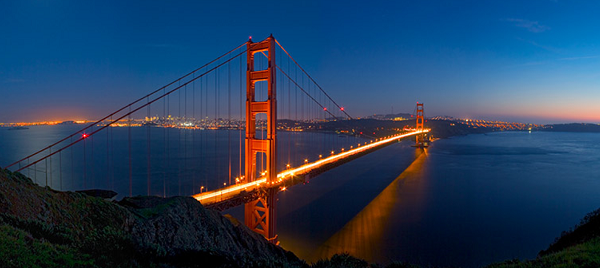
260,214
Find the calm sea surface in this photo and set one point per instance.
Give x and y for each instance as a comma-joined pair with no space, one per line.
153,161
465,201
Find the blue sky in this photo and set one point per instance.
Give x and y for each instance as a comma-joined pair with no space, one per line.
525,61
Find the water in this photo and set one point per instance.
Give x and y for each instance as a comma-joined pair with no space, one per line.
466,201
164,161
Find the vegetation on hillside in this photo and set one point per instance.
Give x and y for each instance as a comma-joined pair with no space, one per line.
41,227
578,247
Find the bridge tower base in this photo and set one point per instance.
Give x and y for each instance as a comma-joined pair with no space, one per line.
260,214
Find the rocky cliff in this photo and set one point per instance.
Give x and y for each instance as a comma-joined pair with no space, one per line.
41,227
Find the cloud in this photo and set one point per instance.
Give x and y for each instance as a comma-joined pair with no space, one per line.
580,58
532,26
533,63
547,48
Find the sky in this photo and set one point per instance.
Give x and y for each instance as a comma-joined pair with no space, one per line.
523,61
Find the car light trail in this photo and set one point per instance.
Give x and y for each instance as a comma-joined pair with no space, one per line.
206,197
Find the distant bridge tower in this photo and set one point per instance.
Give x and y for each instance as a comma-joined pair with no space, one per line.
420,139
260,214
420,116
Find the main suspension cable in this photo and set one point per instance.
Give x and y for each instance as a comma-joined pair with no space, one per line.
322,90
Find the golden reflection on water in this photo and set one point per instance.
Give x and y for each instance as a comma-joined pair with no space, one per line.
363,236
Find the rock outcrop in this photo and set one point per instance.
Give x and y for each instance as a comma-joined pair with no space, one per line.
179,226
47,228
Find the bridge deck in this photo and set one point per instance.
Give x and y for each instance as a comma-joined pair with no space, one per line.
240,193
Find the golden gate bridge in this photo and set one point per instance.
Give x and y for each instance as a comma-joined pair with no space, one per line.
193,122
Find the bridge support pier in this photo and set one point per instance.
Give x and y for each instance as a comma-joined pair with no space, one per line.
260,214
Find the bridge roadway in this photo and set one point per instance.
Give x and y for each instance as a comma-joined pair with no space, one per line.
240,193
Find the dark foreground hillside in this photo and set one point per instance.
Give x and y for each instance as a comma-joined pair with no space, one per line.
578,247
40,227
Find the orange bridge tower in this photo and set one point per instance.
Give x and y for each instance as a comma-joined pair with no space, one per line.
260,214
420,139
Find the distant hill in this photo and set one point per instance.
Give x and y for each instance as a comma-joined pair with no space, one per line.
572,127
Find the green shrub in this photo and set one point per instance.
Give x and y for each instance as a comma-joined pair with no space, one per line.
19,249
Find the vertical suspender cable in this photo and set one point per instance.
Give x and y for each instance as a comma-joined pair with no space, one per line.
165,126
207,124
72,168
216,126
84,164
290,117
148,152
60,169
185,137
129,146
179,144
107,158
112,157
50,168
170,119
240,172
229,117
46,161
195,126
93,181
